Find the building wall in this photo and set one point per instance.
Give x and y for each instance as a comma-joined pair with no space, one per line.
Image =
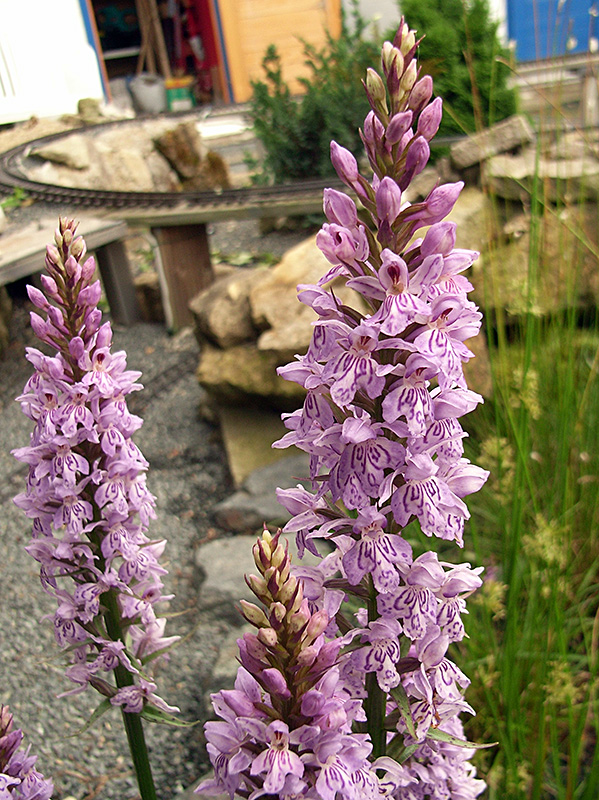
250,26
46,62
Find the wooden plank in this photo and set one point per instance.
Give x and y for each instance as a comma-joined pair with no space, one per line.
190,215
22,253
185,268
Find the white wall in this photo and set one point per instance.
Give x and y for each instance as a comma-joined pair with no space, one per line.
383,14
46,62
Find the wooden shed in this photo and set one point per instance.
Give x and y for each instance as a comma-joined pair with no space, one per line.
247,27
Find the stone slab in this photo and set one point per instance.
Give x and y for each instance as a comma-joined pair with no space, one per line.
248,435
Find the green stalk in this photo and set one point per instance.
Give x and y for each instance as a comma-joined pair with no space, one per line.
375,702
131,721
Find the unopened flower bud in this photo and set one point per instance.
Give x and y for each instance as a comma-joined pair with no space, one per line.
340,209
38,298
78,247
430,119
404,39
254,614
275,683
375,88
49,285
52,255
440,238
408,79
259,588
421,93
345,163
398,125
276,613
88,268
391,59
288,590
388,200
279,554
317,625
416,160
267,637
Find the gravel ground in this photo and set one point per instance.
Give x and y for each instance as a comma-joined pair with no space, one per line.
188,475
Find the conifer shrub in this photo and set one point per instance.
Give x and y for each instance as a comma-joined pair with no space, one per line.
461,51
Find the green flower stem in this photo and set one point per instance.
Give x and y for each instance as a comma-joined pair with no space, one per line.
132,721
375,701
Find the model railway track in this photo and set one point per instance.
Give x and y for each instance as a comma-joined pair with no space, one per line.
13,177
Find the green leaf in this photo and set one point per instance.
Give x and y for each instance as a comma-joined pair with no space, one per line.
153,714
104,706
403,704
409,751
441,736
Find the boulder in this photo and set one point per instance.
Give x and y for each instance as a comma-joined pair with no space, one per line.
70,151
222,313
564,272
286,323
243,374
558,180
473,216
506,135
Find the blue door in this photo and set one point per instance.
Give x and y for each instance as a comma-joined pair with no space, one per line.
545,28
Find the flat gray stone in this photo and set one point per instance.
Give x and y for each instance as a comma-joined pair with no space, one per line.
256,502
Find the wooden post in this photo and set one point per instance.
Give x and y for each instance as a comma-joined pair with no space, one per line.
186,269
118,283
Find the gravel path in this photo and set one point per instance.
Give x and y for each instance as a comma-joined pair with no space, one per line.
188,475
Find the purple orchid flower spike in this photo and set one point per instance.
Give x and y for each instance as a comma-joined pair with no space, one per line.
87,497
385,390
19,780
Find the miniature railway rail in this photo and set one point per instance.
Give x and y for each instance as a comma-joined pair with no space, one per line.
12,177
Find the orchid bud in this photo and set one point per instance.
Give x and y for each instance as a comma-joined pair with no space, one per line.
430,119
421,93
405,39
274,682
391,59
90,295
417,158
288,590
88,268
258,587
440,238
38,325
398,125
267,636
340,209
78,247
345,163
388,200
317,625
38,298
52,255
375,88
49,285
408,79
254,614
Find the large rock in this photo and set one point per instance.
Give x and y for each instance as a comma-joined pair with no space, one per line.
473,215
506,135
245,374
517,177
70,151
286,323
222,313
563,270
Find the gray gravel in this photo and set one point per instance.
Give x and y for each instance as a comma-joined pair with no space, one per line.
189,476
